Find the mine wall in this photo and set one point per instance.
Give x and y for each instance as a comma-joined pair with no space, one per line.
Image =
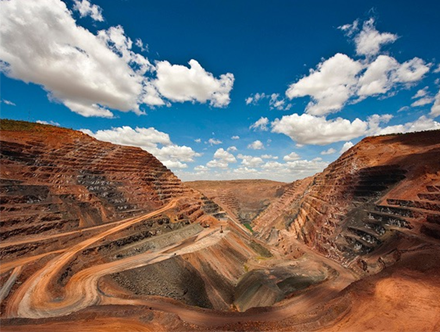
363,202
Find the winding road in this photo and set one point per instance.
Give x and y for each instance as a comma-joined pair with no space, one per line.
33,299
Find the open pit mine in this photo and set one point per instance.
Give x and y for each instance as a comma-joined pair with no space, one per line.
102,237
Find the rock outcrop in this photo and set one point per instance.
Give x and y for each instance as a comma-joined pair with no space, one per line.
364,207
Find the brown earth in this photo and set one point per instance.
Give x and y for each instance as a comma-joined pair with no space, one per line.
100,237
244,199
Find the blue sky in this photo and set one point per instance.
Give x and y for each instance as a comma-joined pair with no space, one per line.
224,89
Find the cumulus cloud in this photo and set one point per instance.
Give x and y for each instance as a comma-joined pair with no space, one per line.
294,169
198,140
275,102
329,85
52,123
422,123
377,78
213,141
350,29
421,93
309,129
235,137
180,83
437,70
256,145
423,101
369,40
149,139
329,151
291,157
340,79
94,74
84,73
232,148
250,161
423,98
269,156
260,124
255,98
411,71
435,110
346,147
86,9
222,159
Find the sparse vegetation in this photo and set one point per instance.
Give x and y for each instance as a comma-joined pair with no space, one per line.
249,227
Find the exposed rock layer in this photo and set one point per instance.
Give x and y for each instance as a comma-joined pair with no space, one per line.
98,236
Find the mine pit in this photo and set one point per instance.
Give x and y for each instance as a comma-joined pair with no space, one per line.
89,238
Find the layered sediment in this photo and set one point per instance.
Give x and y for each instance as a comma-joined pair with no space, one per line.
95,236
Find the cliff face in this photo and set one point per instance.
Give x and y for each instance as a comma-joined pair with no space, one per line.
58,180
377,197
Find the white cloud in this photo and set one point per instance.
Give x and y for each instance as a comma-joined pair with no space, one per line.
151,140
180,83
411,71
255,98
143,47
435,110
86,9
235,137
374,122
329,151
250,161
201,169
423,101
52,123
256,145
309,129
330,85
269,156
222,159
350,29
198,140
369,40
174,164
346,147
8,102
94,74
402,109
84,74
437,70
224,155
385,73
261,124
274,101
213,141
422,123
421,93
291,157
423,98
217,163
279,104
377,78
232,148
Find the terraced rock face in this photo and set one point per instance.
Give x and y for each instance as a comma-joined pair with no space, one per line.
376,197
96,237
58,180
